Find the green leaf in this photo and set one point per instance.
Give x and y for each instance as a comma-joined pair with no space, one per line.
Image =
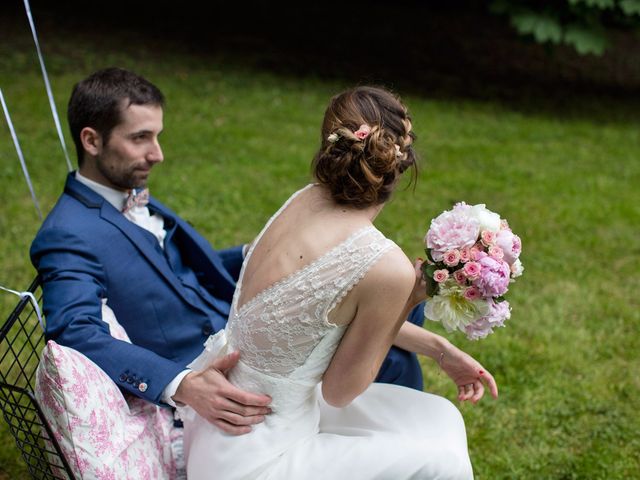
432,285
585,40
429,257
630,7
543,27
601,4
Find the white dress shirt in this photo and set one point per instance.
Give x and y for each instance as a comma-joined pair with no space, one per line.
152,223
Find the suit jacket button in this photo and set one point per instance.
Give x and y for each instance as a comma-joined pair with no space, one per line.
129,379
142,387
207,330
123,378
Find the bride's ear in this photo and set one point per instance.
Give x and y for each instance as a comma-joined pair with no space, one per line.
91,141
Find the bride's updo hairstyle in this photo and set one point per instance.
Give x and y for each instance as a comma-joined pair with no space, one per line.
366,146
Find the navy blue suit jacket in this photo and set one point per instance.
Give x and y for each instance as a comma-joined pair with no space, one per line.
86,251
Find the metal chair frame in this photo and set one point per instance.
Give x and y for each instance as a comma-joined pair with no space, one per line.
21,344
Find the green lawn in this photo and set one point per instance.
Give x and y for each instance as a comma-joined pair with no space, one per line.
238,141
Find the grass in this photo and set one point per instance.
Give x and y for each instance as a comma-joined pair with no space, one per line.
238,141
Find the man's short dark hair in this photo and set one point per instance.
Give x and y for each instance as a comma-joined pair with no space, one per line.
97,101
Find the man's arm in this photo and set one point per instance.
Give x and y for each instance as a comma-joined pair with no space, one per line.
74,284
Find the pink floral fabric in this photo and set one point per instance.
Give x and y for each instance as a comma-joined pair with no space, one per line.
102,434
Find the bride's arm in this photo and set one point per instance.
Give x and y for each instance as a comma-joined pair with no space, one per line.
384,298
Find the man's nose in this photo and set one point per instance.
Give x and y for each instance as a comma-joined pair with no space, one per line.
155,154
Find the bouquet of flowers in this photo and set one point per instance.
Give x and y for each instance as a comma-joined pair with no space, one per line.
472,258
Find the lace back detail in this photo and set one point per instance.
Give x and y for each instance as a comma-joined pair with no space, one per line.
284,330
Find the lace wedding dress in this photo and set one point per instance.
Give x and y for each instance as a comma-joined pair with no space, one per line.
286,343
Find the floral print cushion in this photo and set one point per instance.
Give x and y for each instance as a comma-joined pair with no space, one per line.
102,434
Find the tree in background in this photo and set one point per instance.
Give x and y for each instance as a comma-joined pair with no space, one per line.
583,24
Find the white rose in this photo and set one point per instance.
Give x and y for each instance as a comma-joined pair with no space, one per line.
488,220
517,268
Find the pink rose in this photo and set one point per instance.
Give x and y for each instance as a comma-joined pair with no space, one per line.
451,258
488,237
472,293
465,253
510,245
441,275
472,270
473,253
460,276
363,132
496,252
494,276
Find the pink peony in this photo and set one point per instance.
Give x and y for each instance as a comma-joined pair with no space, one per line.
453,229
499,312
472,270
460,277
510,245
441,275
451,258
494,276
496,252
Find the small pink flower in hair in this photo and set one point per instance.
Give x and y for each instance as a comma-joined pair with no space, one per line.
362,132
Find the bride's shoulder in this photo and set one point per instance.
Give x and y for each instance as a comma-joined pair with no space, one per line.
393,270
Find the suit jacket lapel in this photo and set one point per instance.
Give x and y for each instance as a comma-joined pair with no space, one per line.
109,214
215,260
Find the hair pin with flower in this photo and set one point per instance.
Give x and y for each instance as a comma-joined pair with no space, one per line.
333,138
363,131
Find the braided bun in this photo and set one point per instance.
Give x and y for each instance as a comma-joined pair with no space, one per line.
366,145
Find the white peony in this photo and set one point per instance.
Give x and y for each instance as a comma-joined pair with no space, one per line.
487,219
454,311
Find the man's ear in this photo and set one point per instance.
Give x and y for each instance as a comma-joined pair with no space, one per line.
91,141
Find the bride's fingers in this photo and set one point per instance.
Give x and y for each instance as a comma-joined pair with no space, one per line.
478,391
490,382
466,392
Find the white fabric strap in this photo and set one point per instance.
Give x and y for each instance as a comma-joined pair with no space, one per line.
47,85
33,301
20,155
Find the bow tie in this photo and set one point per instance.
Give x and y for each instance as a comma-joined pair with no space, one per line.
138,198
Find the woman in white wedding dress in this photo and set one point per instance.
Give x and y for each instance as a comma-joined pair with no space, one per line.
320,298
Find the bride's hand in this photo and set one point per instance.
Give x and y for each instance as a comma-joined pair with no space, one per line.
468,374
419,292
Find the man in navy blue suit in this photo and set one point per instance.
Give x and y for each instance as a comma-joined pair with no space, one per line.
165,283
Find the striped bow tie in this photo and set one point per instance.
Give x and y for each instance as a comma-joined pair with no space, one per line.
138,198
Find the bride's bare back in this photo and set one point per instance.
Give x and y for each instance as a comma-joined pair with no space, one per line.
309,227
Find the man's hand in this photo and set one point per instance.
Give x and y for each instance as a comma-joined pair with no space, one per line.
210,394
470,377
